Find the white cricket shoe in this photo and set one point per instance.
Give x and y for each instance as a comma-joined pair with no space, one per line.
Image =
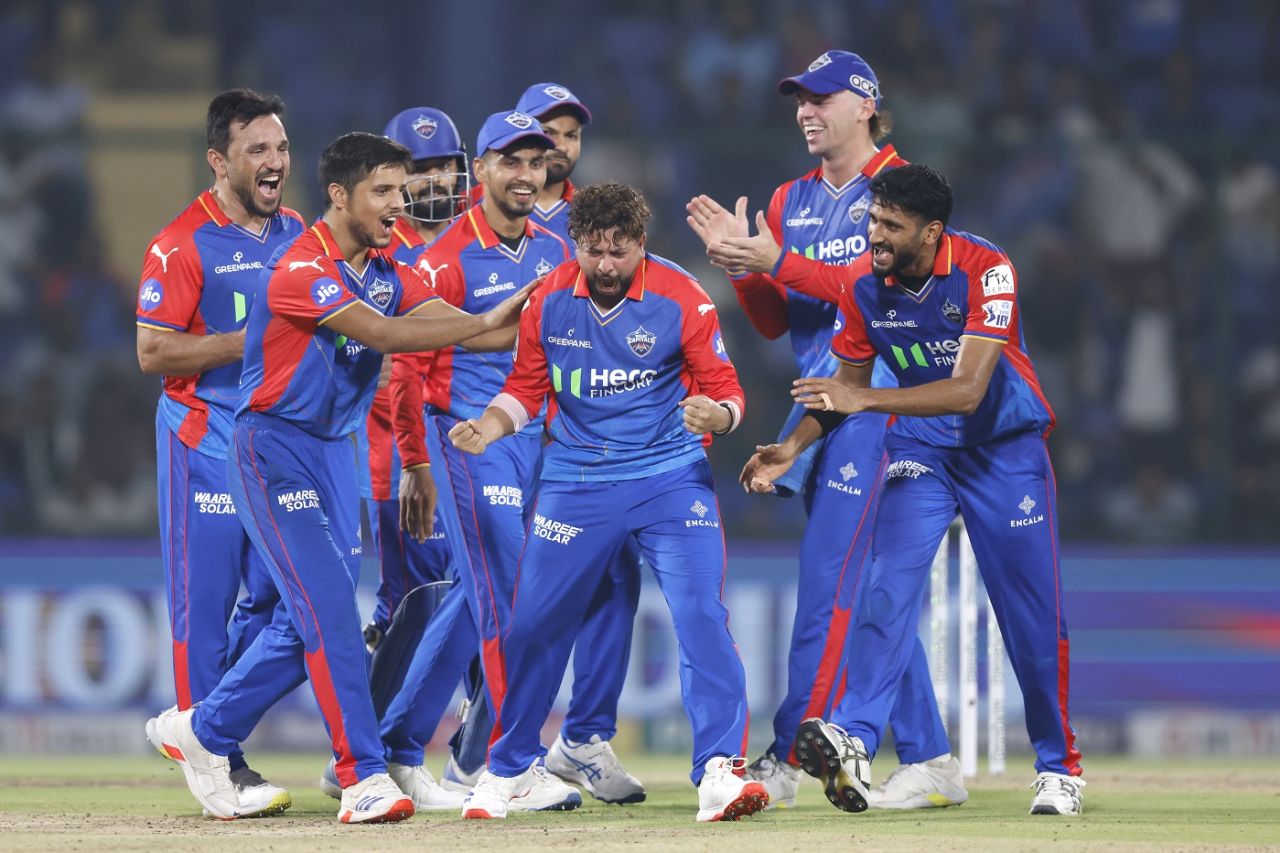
931,784
594,766
153,730
1058,794
208,776
426,793
258,797
723,794
779,778
490,796
454,778
542,792
329,780
375,799
828,753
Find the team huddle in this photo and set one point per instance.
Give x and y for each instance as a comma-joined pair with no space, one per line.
540,432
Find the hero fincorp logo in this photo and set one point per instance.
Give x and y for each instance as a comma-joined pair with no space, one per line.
214,503
700,510
840,251
891,322
803,218
325,292
494,286
299,499
601,382
150,295
554,531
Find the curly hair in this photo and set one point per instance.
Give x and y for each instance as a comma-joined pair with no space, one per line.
599,207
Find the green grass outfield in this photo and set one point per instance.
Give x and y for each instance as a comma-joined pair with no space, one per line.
141,803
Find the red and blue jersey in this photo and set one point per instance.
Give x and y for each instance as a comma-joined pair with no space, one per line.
295,367
380,478
615,377
198,277
472,269
554,218
973,292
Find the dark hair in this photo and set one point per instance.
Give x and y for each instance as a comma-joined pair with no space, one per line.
880,125
350,159
916,189
600,207
241,106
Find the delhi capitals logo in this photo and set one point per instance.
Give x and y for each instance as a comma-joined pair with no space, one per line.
951,311
820,62
641,341
858,210
519,120
380,292
542,268
560,93
425,126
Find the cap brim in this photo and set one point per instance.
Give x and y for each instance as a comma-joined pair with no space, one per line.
510,139
581,113
809,82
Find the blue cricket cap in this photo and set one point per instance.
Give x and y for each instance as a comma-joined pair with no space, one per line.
833,71
541,98
502,129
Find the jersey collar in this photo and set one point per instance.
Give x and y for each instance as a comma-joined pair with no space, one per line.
210,204
484,231
878,161
408,236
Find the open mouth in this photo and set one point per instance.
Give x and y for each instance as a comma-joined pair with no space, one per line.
812,131
269,186
523,193
881,256
387,223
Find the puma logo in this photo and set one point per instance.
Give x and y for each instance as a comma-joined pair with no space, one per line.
704,308
314,262
426,267
163,256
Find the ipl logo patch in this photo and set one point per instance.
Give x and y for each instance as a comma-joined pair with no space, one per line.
425,126
641,341
380,292
519,121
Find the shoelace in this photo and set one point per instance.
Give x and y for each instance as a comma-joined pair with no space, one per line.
1055,785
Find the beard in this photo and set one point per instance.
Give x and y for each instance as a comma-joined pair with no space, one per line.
431,208
559,170
618,287
367,238
246,192
513,210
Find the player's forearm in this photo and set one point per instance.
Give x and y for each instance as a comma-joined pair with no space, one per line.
945,397
418,334
187,354
496,424
763,305
498,340
808,430
812,277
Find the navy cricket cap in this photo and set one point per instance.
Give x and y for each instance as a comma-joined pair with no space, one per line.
833,71
541,98
502,129
427,132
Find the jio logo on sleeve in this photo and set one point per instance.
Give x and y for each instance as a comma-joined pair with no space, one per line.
325,292
150,296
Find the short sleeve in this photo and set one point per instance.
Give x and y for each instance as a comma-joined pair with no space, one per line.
171,285
993,300
308,290
849,341
417,292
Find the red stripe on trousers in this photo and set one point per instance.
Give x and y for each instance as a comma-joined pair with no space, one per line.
327,698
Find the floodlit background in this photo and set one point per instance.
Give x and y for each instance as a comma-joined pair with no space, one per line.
1123,153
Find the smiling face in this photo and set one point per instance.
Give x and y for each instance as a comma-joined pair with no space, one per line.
373,205
566,132
831,123
513,177
256,164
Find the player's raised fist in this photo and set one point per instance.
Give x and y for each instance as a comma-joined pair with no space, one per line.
702,415
467,437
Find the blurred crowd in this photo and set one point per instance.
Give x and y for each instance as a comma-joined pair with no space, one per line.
1122,153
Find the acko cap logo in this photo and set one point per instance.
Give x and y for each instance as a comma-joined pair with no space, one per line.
425,126
560,93
519,121
325,291
380,292
641,341
820,62
150,295
863,85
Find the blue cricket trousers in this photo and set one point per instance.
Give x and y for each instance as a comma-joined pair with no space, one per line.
841,497
575,531
297,496
404,563
1005,491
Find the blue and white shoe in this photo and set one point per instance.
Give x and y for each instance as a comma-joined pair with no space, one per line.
329,780
541,792
595,767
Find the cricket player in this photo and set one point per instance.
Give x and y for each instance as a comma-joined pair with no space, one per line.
628,348
435,193
198,278
940,307
822,215
327,306
582,753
